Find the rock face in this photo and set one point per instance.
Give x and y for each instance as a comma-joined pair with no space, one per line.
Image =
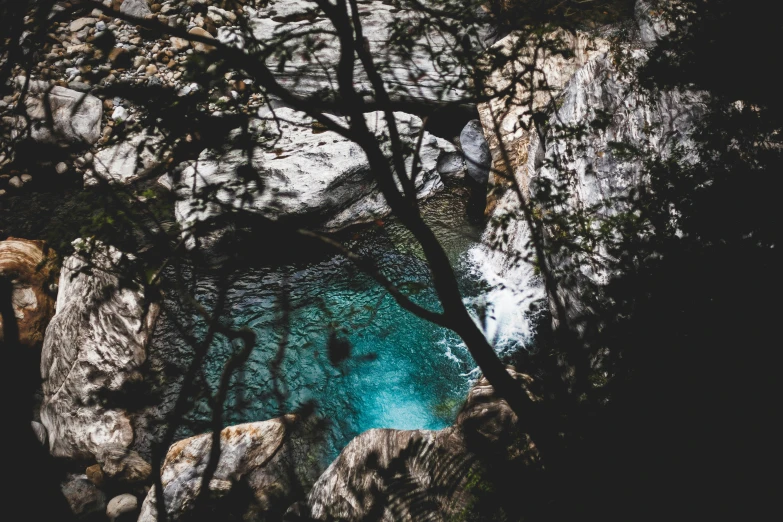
507,119
309,176
32,268
127,160
60,115
653,124
438,75
257,472
594,90
93,348
476,151
394,475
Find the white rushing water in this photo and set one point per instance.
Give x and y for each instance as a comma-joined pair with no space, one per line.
513,285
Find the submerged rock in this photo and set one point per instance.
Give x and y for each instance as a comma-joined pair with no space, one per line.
32,268
261,470
308,176
93,348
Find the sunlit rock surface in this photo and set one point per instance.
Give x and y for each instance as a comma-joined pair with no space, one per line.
263,468
32,268
426,70
58,114
125,161
93,348
506,118
305,174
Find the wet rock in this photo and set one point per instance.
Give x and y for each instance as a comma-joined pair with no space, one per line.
259,471
121,505
476,151
83,497
32,267
93,348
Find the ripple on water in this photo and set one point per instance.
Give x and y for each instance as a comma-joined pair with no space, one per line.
403,372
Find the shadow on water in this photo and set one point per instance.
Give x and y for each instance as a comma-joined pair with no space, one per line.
328,336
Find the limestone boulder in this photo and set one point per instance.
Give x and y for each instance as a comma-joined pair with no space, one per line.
308,175
59,115
92,351
261,469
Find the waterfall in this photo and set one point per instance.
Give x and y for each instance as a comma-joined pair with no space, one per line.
502,260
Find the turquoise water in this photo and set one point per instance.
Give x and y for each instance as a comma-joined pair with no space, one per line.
340,343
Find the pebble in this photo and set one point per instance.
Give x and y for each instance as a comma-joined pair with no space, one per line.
179,43
15,182
120,113
61,168
151,69
80,23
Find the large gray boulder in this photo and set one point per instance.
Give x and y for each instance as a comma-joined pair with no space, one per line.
312,176
59,115
426,70
262,460
93,347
